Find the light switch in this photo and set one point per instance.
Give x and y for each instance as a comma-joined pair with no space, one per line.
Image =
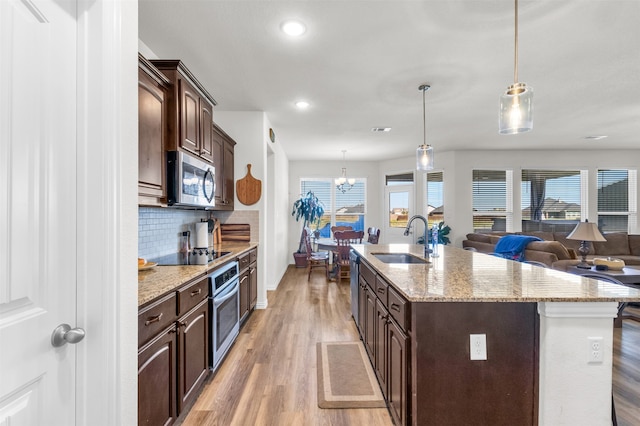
478,347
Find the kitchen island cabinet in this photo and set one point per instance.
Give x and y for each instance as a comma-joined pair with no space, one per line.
434,308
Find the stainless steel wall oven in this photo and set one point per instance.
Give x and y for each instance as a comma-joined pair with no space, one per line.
224,302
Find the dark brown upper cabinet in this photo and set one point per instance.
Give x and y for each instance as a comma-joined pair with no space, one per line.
153,87
190,109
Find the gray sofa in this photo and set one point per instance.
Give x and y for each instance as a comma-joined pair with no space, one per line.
559,253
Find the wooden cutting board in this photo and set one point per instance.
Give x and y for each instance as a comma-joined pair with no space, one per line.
239,232
248,189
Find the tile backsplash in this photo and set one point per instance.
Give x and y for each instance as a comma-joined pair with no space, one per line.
159,229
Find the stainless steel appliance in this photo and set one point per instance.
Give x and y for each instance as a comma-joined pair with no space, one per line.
190,181
354,267
224,303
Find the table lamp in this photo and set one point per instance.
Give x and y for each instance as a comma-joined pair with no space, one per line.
585,232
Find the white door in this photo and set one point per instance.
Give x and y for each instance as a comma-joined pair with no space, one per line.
399,204
37,210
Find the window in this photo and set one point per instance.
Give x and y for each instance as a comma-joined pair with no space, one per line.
551,200
348,208
492,191
614,206
435,197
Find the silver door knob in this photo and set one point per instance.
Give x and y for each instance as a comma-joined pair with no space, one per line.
65,334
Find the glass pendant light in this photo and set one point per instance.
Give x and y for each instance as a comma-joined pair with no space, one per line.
424,153
516,104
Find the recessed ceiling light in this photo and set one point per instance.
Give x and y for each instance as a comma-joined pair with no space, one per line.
302,105
293,28
381,129
595,137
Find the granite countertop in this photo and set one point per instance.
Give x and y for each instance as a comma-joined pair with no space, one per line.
459,275
160,280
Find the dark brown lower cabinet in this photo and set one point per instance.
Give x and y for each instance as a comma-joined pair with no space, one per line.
193,353
173,359
370,322
382,320
362,306
248,283
253,285
244,295
397,399
157,379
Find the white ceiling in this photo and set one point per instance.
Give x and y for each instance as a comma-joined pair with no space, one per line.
360,63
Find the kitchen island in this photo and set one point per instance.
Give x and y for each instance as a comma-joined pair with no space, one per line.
542,339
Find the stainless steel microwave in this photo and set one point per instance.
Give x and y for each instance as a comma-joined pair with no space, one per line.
191,181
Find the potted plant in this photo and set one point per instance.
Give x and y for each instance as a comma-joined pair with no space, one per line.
310,209
443,232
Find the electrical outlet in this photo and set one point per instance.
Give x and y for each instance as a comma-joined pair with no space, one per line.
478,347
595,353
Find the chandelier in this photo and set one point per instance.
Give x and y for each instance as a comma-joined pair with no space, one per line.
516,104
342,183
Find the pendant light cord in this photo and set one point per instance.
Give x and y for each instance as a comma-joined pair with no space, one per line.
424,118
515,65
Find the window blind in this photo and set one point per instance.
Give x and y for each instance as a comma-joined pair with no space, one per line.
435,197
615,190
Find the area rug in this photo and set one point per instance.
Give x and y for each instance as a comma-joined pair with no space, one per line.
346,378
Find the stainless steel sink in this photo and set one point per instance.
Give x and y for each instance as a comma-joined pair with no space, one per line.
398,258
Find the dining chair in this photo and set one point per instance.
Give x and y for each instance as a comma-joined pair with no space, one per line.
344,239
335,229
315,259
373,235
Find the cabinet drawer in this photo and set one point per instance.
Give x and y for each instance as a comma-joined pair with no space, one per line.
382,290
243,261
253,256
155,317
398,308
191,295
368,274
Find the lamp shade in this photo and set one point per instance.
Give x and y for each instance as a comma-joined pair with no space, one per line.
424,157
586,231
516,109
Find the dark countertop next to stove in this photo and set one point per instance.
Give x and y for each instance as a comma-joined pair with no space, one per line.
160,280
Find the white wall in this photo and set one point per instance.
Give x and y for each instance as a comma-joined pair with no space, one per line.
323,169
269,164
457,167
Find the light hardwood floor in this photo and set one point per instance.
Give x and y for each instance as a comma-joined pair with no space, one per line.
269,375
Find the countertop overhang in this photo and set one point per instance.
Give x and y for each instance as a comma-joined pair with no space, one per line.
459,275
160,280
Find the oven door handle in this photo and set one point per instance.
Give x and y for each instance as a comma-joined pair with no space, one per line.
227,294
